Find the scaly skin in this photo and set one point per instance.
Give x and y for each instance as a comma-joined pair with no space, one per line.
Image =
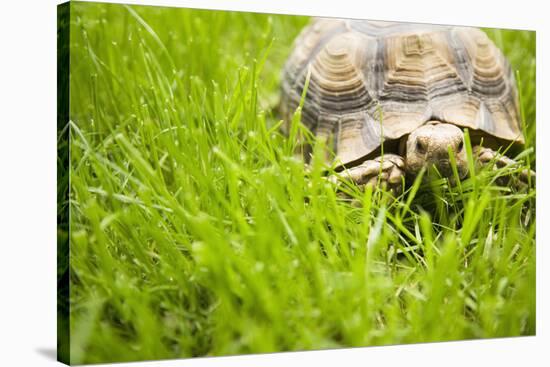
429,145
386,171
485,156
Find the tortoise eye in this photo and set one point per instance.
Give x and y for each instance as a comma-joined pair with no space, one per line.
460,146
420,147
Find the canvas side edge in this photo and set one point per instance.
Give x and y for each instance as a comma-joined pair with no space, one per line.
63,187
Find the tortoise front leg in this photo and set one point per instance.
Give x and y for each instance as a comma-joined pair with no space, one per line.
386,171
485,156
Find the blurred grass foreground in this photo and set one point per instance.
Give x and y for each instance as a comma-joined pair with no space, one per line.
194,231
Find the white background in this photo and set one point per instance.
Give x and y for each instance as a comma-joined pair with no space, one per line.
28,189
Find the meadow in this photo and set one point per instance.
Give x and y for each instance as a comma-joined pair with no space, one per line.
195,231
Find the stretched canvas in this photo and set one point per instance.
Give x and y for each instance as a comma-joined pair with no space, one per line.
234,183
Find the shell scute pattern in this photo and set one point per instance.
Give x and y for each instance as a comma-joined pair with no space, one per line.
376,81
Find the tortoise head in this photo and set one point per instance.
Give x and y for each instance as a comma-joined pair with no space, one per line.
429,146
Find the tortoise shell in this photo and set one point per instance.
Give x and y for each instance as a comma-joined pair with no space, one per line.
372,82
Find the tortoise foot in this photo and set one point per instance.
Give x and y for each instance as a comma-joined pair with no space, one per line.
486,156
386,171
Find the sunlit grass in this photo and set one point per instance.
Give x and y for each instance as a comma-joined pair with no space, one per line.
195,231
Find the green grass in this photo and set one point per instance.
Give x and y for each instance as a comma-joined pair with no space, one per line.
195,232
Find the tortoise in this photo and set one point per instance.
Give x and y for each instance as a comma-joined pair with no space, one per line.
392,98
